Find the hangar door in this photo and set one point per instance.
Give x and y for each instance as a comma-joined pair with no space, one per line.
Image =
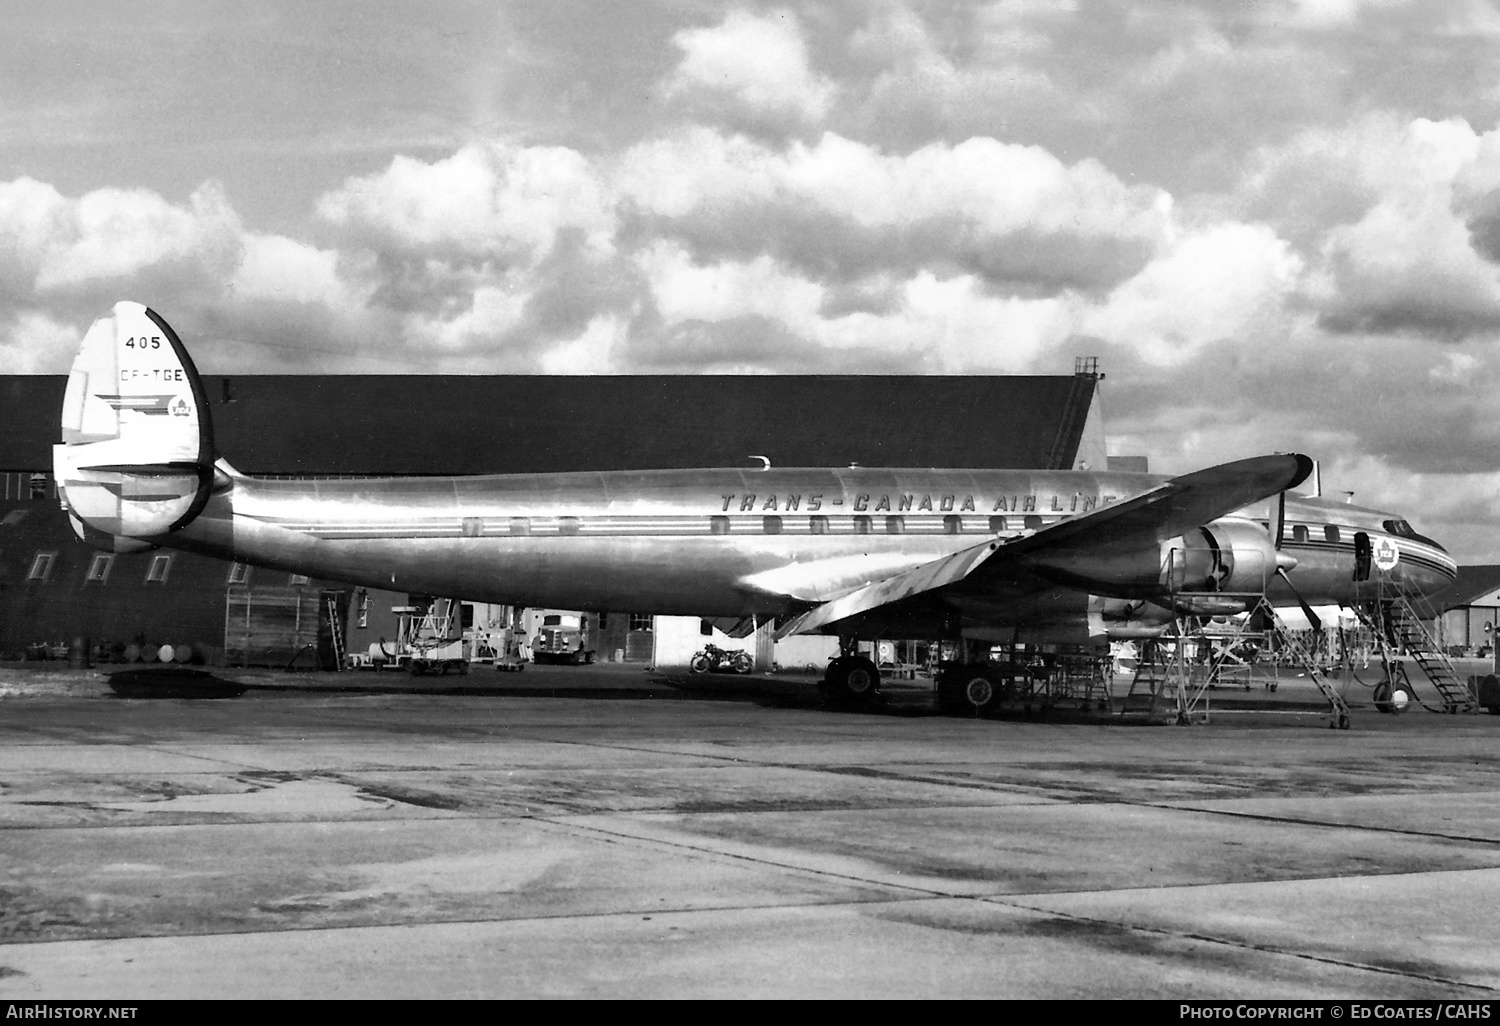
283,626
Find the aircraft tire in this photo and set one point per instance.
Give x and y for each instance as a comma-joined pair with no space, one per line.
981,691
1388,697
851,681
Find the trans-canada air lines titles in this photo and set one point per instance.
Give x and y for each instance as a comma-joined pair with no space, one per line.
910,502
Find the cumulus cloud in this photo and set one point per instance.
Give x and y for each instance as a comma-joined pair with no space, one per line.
757,63
1209,286
490,201
1408,251
1009,213
51,242
34,343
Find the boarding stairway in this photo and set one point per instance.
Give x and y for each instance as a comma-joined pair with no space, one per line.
1398,626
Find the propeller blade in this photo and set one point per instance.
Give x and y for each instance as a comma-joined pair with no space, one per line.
1307,610
1278,521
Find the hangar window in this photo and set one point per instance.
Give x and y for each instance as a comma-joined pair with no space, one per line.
861,525
705,628
895,525
953,524
298,580
817,525
520,525
997,525
41,566
771,525
1033,523
642,622
99,568
718,525
1299,533
157,572
239,573
603,620
1331,533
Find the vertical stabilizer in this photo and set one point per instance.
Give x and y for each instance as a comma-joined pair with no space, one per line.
136,458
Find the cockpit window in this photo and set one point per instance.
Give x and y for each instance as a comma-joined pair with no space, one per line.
1402,529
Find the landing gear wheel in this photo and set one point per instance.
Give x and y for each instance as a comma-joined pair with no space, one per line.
968,691
850,681
1391,698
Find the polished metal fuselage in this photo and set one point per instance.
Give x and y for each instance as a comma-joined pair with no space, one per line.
713,542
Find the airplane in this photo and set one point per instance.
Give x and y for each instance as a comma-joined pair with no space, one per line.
978,557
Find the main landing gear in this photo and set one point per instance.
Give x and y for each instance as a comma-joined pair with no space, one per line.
851,680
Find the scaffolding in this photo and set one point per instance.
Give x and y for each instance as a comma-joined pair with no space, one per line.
1200,651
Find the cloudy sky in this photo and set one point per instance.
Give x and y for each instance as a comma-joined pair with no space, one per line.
1277,224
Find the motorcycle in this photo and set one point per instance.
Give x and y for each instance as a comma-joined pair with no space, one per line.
714,659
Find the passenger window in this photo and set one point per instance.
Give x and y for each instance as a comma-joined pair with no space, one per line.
895,525
567,525
1299,533
861,525
953,524
1331,533
472,527
817,525
1033,523
771,525
520,525
997,525
718,525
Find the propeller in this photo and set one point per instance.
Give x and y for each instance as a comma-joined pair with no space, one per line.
1285,562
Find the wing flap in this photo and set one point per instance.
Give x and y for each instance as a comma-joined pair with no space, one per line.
903,585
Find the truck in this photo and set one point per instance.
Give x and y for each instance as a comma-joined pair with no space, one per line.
562,638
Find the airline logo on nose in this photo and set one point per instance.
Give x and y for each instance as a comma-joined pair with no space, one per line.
1387,555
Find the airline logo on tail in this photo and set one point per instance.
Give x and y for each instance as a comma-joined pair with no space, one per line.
150,405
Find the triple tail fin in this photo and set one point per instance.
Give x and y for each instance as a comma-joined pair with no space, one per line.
137,453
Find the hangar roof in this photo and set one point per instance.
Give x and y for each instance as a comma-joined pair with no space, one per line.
369,424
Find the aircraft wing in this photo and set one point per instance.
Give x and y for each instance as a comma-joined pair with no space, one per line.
1165,511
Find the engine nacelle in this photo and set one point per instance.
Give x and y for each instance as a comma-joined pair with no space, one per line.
1225,556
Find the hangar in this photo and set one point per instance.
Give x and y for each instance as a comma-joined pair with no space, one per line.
1469,611
54,589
